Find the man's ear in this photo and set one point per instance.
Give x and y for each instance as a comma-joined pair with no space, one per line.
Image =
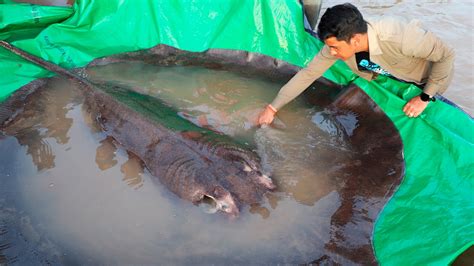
355,40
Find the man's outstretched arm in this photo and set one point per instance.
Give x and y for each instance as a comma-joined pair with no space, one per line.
305,77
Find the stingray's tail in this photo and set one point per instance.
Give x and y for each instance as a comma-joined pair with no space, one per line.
43,63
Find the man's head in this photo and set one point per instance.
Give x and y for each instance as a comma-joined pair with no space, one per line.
341,28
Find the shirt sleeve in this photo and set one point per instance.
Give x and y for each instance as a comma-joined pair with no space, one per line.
420,43
305,77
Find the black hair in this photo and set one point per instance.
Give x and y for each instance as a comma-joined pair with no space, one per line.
342,22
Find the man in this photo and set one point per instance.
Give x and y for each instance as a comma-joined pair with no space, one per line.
389,47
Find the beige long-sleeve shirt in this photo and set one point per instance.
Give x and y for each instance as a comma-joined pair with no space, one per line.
404,49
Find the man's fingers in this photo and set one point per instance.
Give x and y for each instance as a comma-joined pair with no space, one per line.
409,108
414,107
263,121
405,108
411,113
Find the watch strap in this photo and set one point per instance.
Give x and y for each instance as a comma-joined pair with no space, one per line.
426,98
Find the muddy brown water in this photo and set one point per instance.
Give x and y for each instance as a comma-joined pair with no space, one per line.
72,195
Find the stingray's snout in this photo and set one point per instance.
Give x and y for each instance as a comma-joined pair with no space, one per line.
225,202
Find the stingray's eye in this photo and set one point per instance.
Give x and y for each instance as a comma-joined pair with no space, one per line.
247,168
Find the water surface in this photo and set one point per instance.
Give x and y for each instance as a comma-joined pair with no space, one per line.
72,195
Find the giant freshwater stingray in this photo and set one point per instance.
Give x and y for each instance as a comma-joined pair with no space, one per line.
195,163
363,184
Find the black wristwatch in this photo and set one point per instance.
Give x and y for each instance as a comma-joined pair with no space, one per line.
426,98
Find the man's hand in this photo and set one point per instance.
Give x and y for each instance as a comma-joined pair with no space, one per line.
267,115
415,107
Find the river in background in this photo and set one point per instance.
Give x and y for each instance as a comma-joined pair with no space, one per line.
451,20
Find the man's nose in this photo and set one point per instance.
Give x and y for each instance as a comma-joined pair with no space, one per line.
333,52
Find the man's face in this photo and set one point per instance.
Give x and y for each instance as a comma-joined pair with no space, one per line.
341,49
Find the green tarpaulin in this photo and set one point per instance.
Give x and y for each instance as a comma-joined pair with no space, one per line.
429,220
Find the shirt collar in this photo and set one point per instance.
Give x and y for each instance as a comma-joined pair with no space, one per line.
374,48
